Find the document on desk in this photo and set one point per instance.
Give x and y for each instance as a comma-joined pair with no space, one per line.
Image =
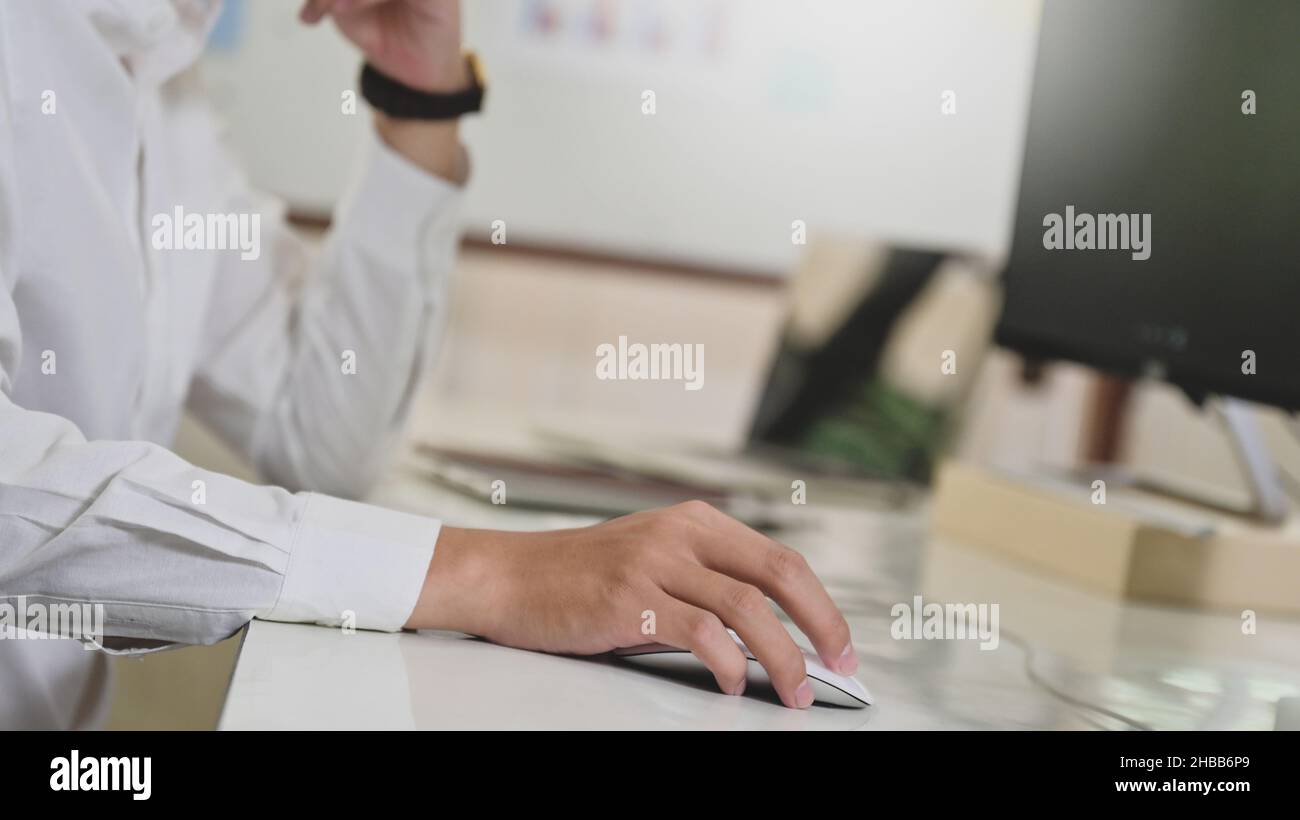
556,485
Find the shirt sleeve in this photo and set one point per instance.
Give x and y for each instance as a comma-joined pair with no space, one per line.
175,553
309,364
309,367
180,554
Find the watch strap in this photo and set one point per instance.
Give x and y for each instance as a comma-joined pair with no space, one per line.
399,100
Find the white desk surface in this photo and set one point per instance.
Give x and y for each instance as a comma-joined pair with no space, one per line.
1064,656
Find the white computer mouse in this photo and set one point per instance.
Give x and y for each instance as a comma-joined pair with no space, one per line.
828,687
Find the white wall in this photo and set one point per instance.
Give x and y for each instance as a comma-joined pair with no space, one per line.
821,110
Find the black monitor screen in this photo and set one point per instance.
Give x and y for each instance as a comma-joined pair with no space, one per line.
1158,225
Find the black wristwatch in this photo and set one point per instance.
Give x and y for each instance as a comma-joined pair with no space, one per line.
403,102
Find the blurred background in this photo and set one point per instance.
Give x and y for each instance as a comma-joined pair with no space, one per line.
821,194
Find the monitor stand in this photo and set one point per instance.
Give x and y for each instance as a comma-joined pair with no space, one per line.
1267,500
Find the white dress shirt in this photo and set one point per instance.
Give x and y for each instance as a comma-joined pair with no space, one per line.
305,365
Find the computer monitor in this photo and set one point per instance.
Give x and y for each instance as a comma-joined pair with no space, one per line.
1158,224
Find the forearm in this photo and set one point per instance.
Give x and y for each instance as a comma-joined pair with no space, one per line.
458,581
431,145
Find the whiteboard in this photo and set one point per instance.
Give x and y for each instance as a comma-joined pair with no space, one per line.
766,112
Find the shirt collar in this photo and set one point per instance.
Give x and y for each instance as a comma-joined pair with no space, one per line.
155,39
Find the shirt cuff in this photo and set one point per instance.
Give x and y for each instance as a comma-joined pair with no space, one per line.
356,565
395,209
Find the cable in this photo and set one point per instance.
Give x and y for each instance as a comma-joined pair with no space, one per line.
1030,653
1041,682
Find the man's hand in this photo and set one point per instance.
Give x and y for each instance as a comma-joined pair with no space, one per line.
585,591
417,43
